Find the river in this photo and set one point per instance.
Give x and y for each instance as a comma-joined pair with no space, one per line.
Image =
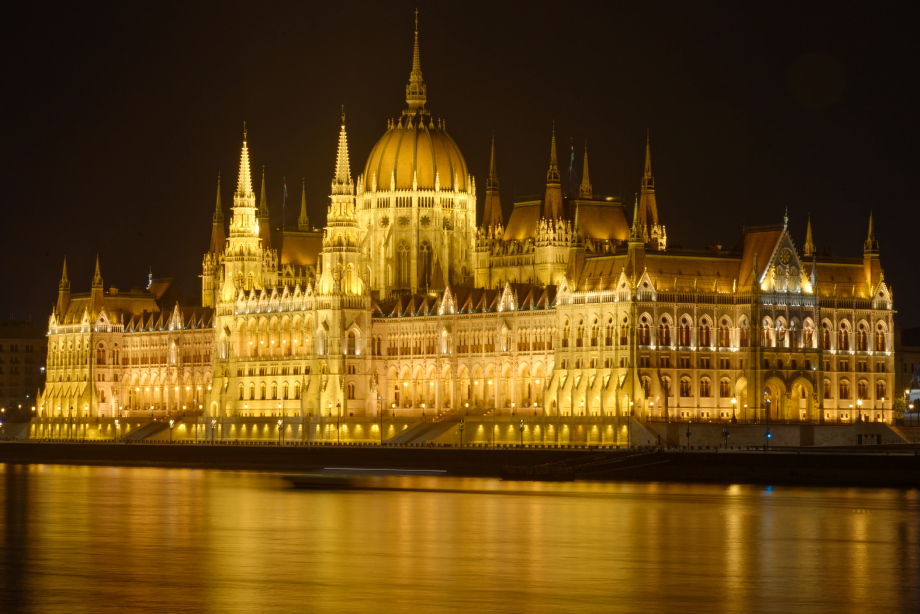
115,539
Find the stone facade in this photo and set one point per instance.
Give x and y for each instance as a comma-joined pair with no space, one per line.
403,306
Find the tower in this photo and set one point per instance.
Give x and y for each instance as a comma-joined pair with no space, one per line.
584,190
303,221
63,293
264,218
808,249
552,201
492,210
656,235
871,264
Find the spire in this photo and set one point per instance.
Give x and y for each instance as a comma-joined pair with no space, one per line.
492,210
584,190
415,89
492,183
648,206
342,179
635,232
871,245
786,218
65,282
808,250
552,175
263,202
303,222
218,217
244,184
97,276
552,202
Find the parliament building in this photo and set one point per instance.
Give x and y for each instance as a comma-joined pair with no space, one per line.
407,303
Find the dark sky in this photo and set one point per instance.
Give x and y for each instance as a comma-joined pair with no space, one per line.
119,117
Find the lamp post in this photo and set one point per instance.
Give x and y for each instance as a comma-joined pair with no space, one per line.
116,429
461,432
688,435
521,428
338,423
280,431
859,409
171,422
213,429
734,402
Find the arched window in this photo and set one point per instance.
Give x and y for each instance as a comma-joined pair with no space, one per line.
645,335
252,392
666,386
297,390
843,338
284,391
350,389
705,339
274,391
744,336
579,334
664,334
608,333
725,388
262,392
862,389
880,345
685,332
685,390
827,389
402,265
565,334
880,390
862,341
704,389
241,392
725,339
100,354
351,347
594,334
844,389
624,332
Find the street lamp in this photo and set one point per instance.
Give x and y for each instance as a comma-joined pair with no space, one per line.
213,429
280,431
116,429
461,432
688,435
521,428
171,422
734,402
859,408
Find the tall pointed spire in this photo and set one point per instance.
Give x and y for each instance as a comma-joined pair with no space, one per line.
303,222
636,234
492,210
584,190
871,245
492,182
552,175
648,206
63,293
97,276
341,182
552,202
808,250
218,217
263,201
244,183
415,89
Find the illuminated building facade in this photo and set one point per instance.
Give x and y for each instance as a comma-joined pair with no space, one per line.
404,305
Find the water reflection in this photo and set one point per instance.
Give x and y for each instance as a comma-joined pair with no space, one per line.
100,539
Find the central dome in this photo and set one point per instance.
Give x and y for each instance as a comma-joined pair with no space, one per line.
413,149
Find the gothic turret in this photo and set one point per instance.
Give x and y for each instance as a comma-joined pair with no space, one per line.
648,206
303,222
808,249
871,264
63,293
415,89
552,202
584,190
96,291
492,211
218,238
264,218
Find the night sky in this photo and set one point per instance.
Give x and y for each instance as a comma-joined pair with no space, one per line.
118,119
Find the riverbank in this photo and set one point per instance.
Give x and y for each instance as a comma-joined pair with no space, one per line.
889,467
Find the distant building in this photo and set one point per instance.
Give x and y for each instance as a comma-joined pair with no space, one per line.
23,347
405,303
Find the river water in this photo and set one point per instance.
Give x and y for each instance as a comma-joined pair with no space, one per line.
107,539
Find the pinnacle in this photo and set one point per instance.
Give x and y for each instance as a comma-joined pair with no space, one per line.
342,166
584,190
552,175
263,201
97,277
218,210
648,154
492,183
303,222
244,184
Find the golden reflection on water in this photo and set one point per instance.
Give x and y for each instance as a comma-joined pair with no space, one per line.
102,539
